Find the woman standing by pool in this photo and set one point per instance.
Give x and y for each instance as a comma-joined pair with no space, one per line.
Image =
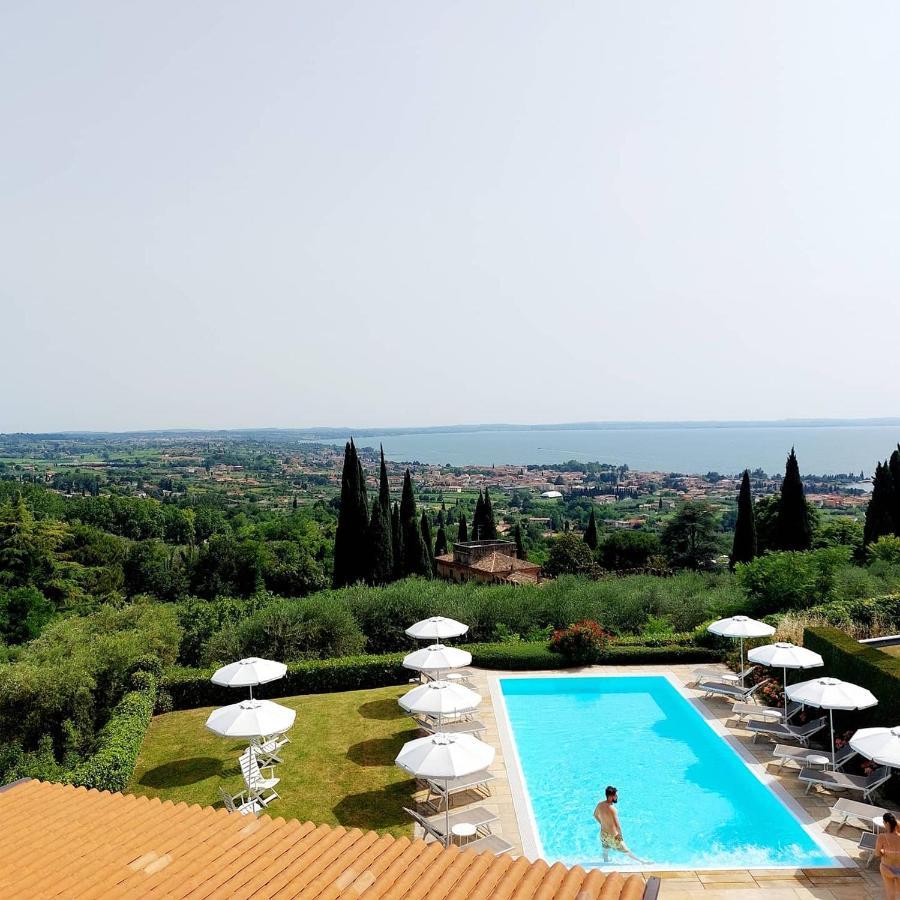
887,848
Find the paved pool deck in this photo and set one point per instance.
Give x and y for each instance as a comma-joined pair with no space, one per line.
853,881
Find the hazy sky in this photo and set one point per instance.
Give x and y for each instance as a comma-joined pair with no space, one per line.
389,213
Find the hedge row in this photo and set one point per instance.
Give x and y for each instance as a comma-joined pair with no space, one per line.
189,688
111,767
847,659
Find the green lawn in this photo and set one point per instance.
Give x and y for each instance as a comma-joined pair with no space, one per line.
338,769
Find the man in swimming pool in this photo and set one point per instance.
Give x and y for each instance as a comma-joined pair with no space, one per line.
610,829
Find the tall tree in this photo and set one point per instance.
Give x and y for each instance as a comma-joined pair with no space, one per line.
384,502
351,556
425,527
487,512
793,528
520,547
879,514
381,561
478,519
894,468
415,556
440,540
397,540
743,549
462,532
689,538
590,533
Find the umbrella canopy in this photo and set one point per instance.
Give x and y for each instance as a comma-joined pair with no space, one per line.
247,672
831,694
251,718
445,756
437,658
881,745
440,698
740,627
783,655
436,628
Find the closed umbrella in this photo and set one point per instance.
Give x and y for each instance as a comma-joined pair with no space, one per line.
437,658
831,694
436,628
251,718
740,627
440,698
881,745
248,672
783,655
445,756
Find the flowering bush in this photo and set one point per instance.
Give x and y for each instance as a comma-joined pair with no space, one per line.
582,642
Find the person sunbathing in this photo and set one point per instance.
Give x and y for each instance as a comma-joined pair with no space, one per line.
610,828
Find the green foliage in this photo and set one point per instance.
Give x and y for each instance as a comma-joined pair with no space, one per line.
415,559
462,531
590,533
351,556
882,505
24,611
320,626
524,656
427,541
791,580
847,659
744,548
581,643
624,550
839,531
569,555
794,523
381,554
885,550
689,537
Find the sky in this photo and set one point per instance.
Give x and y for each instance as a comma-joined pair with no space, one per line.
221,214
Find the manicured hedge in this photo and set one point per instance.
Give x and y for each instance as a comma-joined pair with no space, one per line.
847,659
111,766
189,688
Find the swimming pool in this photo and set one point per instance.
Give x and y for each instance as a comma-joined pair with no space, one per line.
686,799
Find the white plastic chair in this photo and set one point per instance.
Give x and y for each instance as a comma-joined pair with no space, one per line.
256,778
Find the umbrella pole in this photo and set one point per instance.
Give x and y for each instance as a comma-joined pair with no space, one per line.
785,696
831,724
447,813
742,662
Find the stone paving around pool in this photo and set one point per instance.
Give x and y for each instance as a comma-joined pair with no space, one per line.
857,881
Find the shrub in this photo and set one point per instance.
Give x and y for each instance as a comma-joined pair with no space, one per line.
885,550
524,656
569,555
582,642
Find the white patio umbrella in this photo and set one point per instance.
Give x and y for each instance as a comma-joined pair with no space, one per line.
436,628
437,658
248,672
251,718
783,655
881,745
440,698
831,694
740,627
445,756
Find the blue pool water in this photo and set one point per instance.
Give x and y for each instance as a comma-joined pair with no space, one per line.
686,799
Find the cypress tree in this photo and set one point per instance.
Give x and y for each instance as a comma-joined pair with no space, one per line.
381,563
744,547
462,533
879,514
351,555
397,541
440,541
792,524
894,468
487,511
590,533
478,519
520,547
415,557
384,501
426,540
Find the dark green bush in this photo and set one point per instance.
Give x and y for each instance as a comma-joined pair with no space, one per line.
528,656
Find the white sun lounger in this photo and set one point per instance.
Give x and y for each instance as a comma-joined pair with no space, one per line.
472,726
866,785
743,711
845,809
782,731
440,790
257,779
733,691
800,755
702,675
479,818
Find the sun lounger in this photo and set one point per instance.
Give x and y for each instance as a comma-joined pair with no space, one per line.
867,845
440,790
800,755
781,731
866,785
743,711
717,675
733,691
845,809
489,844
241,803
479,818
472,726
258,779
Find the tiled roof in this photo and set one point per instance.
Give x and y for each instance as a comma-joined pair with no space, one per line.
500,562
62,841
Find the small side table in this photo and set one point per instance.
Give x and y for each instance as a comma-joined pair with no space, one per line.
815,759
464,832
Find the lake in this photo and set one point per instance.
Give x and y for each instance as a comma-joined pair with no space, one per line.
821,449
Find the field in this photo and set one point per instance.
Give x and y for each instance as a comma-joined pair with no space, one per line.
338,769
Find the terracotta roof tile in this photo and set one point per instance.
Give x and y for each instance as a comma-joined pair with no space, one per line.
70,842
